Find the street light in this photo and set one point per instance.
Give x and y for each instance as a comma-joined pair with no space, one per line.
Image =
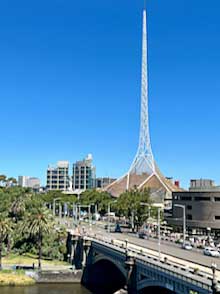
109,211
184,220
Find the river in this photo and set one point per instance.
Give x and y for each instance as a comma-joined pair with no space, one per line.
46,289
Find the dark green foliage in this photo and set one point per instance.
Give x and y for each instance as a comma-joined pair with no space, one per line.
99,198
130,205
27,226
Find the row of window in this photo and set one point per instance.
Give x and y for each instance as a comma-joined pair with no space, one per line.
55,172
57,182
82,187
189,217
196,198
57,187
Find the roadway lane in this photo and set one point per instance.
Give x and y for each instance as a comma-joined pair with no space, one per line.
169,249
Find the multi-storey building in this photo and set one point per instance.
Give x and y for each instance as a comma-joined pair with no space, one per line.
83,174
29,182
104,182
201,205
23,181
34,183
58,176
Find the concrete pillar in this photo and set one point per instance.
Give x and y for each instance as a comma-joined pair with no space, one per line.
73,249
131,284
86,248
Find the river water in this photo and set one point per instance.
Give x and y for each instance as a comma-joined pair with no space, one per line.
46,289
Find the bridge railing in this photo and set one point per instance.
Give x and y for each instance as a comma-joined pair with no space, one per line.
169,268
177,273
202,271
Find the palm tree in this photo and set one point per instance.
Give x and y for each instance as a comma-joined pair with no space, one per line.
18,206
38,223
5,229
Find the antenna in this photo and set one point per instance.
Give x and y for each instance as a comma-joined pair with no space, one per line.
145,4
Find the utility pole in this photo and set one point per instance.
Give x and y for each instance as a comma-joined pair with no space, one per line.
109,217
159,237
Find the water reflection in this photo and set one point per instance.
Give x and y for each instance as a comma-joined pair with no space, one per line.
46,289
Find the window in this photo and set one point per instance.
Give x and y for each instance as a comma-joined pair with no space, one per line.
217,217
202,198
186,198
217,198
189,216
189,207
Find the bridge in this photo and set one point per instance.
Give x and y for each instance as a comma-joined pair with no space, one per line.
111,265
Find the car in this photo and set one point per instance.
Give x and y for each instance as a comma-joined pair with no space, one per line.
187,246
142,235
211,252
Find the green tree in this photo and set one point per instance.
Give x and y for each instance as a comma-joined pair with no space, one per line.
38,223
129,205
99,198
2,179
11,180
5,229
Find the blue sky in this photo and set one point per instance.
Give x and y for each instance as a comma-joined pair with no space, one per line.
70,85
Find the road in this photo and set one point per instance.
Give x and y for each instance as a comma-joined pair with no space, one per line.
195,256
192,259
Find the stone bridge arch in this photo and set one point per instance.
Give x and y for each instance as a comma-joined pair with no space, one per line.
153,287
105,275
117,263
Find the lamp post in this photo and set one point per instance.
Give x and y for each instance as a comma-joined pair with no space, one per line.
184,220
109,211
159,237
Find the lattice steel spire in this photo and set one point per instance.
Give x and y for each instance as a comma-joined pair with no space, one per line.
144,172
144,160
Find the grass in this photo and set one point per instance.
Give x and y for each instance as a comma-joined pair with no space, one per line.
28,260
15,278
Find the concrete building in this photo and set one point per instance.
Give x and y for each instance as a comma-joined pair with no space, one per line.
104,182
34,183
58,176
84,174
23,181
202,207
29,182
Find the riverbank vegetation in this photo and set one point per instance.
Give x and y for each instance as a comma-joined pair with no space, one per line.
28,227
15,278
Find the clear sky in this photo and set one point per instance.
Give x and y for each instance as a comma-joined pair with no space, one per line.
70,85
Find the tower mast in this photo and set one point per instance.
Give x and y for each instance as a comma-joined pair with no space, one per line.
144,160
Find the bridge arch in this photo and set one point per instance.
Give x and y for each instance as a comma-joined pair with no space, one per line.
154,286
118,264
105,276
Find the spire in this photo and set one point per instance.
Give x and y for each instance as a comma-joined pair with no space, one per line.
143,171
144,161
